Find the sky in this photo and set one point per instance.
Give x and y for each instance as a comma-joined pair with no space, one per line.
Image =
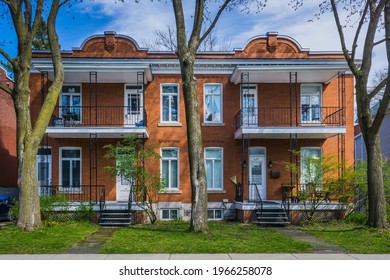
140,20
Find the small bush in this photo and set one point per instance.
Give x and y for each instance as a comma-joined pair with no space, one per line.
359,219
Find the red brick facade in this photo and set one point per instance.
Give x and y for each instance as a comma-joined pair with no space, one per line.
271,51
8,162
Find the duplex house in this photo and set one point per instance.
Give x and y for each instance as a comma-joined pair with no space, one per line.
8,162
258,104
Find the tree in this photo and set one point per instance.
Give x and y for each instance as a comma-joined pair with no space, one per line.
165,40
375,14
129,162
26,17
41,39
186,53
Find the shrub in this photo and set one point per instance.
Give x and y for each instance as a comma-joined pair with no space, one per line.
355,218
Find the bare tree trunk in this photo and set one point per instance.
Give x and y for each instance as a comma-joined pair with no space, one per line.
377,216
195,149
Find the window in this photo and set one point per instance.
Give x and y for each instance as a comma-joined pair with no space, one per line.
169,103
70,167
311,103
213,159
212,103
170,167
70,103
133,104
169,214
311,171
215,214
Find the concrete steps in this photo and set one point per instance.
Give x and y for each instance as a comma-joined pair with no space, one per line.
115,218
271,214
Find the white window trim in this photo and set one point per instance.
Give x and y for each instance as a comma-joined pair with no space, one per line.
161,103
300,100
170,216
204,103
216,209
301,161
204,155
168,188
125,96
60,164
256,95
81,98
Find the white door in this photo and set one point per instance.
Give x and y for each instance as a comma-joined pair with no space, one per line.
257,177
43,166
250,106
134,105
123,187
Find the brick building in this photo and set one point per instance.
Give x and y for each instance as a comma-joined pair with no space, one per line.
257,104
8,161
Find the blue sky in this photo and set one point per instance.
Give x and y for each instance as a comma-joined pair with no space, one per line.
140,20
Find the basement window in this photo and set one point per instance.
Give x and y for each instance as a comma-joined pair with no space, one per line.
215,214
169,214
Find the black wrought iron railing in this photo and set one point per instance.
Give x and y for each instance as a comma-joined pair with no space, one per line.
102,200
76,193
74,116
287,116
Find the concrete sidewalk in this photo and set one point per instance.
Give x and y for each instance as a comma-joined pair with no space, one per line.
198,257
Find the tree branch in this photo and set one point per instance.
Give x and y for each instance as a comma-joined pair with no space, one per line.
375,14
214,22
357,34
7,57
194,41
37,19
48,105
349,60
6,89
386,96
380,41
377,88
180,25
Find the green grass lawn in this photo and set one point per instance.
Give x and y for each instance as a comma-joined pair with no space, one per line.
174,237
54,238
354,238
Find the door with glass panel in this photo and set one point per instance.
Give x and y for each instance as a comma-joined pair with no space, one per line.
43,166
311,103
70,105
134,105
249,106
70,168
257,178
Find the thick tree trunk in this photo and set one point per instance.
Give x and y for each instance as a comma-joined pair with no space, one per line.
195,149
29,217
377,214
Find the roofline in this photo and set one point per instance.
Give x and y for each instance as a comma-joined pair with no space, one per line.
6,74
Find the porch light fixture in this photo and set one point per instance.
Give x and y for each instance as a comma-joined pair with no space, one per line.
270,164
244,164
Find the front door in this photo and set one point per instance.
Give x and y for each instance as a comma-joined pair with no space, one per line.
123,187
43,167
134,105
257,177
249,107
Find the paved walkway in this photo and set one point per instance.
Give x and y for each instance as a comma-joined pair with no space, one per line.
319,246
93,243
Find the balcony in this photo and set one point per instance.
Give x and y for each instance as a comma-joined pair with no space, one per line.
279,122
105,121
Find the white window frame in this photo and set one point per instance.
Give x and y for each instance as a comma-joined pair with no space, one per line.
320,102
170,109
302,162
214,210
212,94
214,159
169,187
60,165
169,213
71,93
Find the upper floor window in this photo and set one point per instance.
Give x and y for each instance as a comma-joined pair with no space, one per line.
311,103
170,167
169,103
214,168
70,102
212,103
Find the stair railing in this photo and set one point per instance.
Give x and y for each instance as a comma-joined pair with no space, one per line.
260,200
130,198
102,200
